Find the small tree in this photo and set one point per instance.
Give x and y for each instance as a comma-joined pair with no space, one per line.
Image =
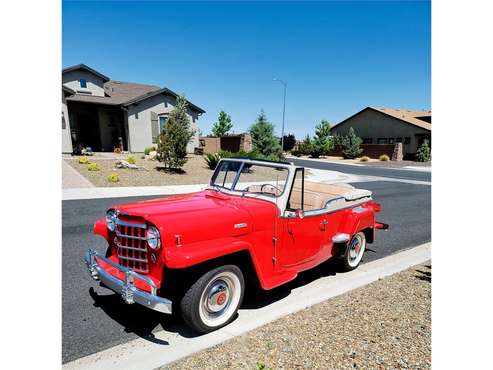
305,147
351,145
322,142
423,154
289,142
263,139
173,140
223,125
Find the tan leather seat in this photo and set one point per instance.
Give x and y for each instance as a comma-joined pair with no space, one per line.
318,194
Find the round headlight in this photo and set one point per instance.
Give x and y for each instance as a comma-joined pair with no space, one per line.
111,220
153,237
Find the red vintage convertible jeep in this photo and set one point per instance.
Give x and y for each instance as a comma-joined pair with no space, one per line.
257,221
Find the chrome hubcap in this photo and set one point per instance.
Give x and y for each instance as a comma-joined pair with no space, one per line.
217,297
220,299
355,248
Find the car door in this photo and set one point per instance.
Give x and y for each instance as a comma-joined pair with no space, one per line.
302,237
301,240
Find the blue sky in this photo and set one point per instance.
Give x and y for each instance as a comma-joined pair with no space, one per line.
336,57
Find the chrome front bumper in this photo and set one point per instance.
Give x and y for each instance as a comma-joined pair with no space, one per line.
127,289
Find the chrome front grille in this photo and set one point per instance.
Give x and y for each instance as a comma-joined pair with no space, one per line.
132,245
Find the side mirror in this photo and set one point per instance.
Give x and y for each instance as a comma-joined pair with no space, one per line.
300,214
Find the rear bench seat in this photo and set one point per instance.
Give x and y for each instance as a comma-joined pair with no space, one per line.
318,195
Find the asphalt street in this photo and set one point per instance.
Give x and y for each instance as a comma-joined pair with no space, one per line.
95,319
365,170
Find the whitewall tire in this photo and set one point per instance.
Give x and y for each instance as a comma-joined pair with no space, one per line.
354,252
213,300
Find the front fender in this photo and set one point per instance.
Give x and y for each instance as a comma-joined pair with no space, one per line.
195,253
100,228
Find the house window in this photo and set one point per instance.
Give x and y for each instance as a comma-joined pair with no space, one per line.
162,122
83,83
382,140
136,115
398,139
391,140
367,140
407,140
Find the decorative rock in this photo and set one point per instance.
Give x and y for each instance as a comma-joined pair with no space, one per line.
152,155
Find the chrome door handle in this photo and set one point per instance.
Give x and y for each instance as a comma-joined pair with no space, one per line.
323,224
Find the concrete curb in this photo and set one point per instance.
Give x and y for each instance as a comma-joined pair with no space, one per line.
130,191
142,354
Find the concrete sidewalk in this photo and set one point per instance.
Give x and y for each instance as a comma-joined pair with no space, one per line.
143,354
73,179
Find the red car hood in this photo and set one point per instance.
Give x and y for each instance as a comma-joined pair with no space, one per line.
205,215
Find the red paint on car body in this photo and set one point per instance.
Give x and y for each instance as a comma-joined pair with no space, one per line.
211,224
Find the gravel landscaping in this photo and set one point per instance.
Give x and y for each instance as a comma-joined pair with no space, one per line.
195,171
151,173
384,325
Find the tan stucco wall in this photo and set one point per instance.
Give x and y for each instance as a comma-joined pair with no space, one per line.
372,124
66,136
140,129
95,85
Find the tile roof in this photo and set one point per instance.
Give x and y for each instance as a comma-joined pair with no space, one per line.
405,115
126,93
86,68
410,116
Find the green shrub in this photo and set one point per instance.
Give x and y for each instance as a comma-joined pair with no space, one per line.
113,177
364,159
351,145
263,138
149,149
296,153
384,158
131,159
173,140
423,154
225,154
212,159
94,167
84,160
305,147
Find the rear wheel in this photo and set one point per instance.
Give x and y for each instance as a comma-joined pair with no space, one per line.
213,300
354,252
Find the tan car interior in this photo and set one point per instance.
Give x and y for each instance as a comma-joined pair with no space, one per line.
317,195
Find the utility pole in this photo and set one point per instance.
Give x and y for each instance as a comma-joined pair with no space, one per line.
283,112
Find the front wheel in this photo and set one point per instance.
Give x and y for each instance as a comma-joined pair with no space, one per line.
213,300
354,252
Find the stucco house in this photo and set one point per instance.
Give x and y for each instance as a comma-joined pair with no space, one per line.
102,113
388,126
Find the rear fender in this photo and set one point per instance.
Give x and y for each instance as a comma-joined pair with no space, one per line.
358,219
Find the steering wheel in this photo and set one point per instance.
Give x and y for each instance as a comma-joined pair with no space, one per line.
279,191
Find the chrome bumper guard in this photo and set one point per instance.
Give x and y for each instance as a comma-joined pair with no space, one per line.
127,289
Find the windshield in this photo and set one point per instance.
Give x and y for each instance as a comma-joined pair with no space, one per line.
254,178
